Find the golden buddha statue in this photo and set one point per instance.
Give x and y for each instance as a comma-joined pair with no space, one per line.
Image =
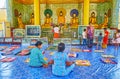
32,19
61,19
105,23
48,20
61,13
93,20
74,20
20,23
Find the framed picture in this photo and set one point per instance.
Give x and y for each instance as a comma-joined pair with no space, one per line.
18,33
17,40
33,31
1,40
8,40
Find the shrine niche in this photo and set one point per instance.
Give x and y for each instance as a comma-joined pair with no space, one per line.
74,20
48,18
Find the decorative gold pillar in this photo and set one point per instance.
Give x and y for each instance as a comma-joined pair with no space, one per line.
37,12
86,12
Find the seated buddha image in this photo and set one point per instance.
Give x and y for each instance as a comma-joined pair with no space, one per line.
74,20
61,19
48,20
20,23
32,19
61,13
93,20
105,23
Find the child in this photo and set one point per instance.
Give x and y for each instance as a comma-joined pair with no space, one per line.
36,56
56,31
61,65
105,38
84,35
99,40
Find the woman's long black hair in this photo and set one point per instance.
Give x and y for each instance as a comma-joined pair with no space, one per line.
61,47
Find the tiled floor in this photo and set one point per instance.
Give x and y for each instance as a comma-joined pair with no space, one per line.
18,69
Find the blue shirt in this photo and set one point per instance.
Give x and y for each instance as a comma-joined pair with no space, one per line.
100,38
59,66
36,58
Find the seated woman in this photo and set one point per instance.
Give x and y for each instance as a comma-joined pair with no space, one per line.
36,56
61,64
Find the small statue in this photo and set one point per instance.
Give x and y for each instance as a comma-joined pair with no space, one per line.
74,20
32,19
48,20
105,23
93,20
61,12
61,19
20,23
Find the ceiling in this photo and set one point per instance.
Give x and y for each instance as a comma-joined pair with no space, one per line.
60,1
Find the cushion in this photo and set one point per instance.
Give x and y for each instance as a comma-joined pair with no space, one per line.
82,63
8,59
108,61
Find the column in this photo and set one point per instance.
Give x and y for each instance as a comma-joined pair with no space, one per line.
37,12
86,12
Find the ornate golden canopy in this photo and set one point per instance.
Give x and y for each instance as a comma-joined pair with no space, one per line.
59,1
25,1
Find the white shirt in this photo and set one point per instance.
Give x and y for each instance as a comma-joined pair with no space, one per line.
56,30
84,34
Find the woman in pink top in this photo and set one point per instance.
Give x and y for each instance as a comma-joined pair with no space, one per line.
90,35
